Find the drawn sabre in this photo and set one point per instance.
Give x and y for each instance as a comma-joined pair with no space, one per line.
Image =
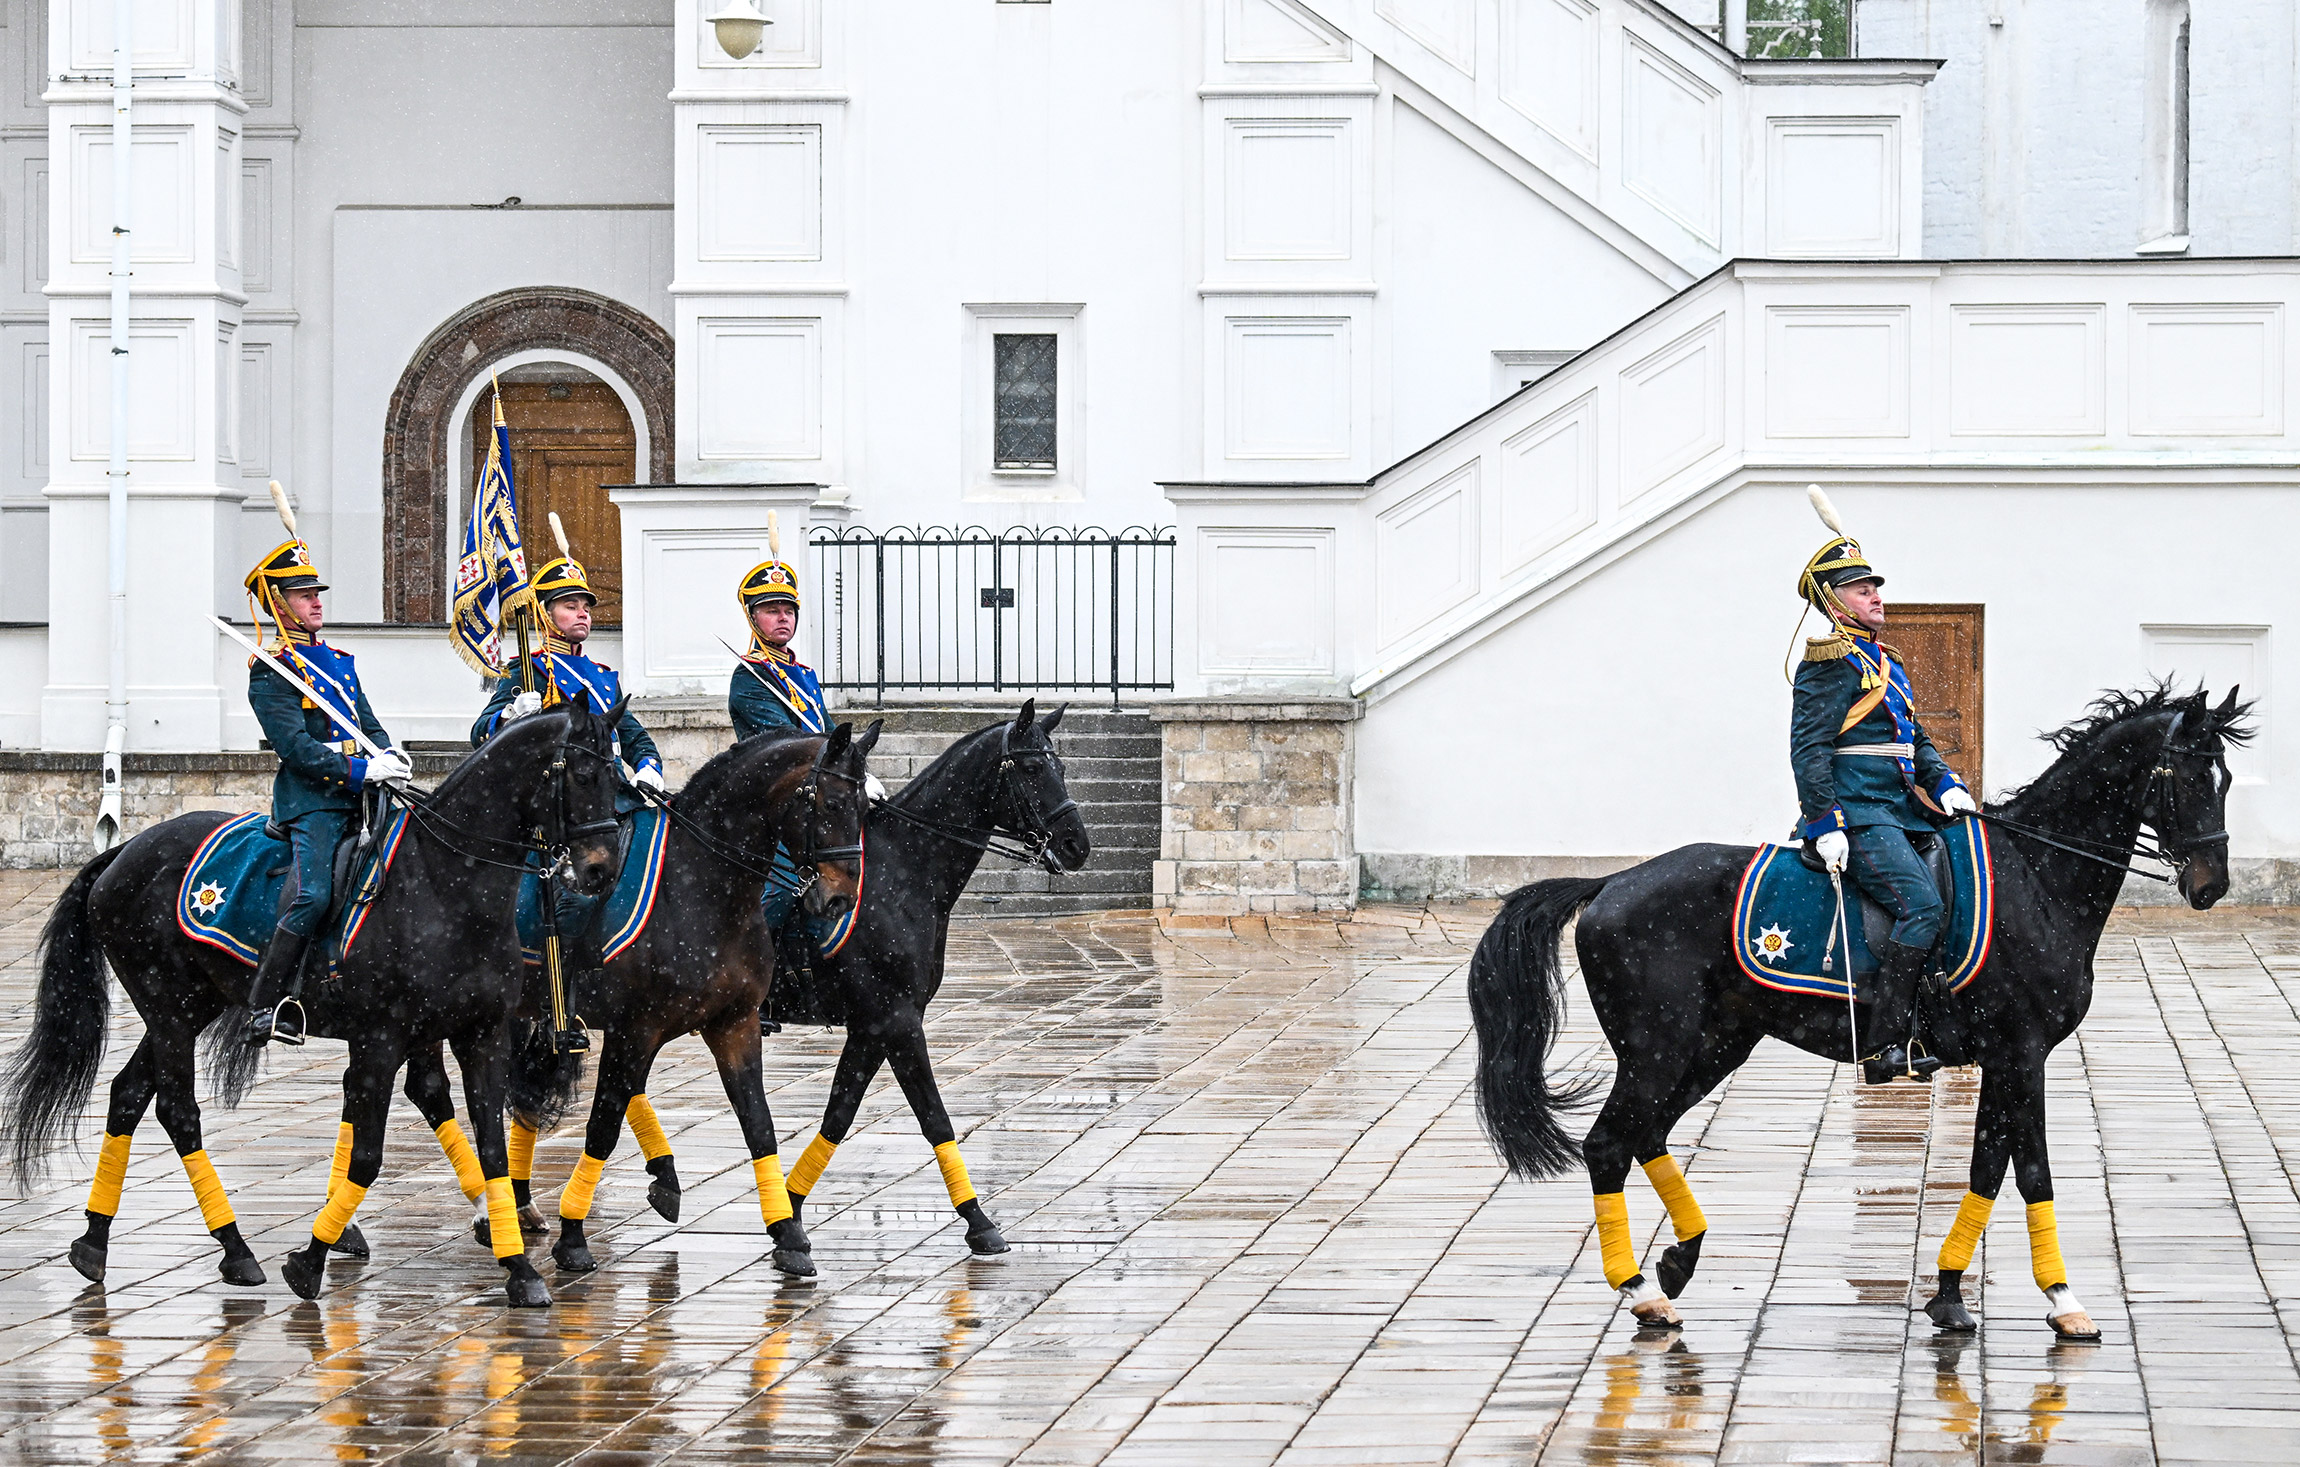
301,686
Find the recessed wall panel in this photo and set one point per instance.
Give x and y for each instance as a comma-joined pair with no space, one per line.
2027,371
1549,67
162,375
164,179
761,380
1288,189
1548,482
1286,392
1277,30
1447,27
1265,599
1833,187
1672,408
2208,369
1672,135
1837,372
760,191
1426,554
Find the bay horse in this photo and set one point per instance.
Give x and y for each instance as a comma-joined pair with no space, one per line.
1656,957
437,960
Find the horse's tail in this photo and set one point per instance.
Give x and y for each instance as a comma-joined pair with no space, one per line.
232,1062
1517,998
49,1077
542,1081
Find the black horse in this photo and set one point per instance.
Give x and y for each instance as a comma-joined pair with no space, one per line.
919,850
1656,957
437,960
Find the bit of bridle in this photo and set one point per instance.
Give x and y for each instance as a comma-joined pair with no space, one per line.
552,841
808,854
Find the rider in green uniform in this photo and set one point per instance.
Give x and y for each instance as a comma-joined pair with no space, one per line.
1869,781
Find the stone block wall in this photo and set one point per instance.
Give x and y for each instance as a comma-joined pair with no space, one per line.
1256,806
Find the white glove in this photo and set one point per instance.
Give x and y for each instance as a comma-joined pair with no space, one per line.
1959,801
392,768
872,789
1831,847
524,704
647,776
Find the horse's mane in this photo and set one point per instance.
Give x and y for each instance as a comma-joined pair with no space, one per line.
2115,709
707,782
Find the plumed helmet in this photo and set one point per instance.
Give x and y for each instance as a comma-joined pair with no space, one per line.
562,577
1840,562
286,567
771,579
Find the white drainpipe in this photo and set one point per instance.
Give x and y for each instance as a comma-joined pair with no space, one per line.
1736,18
123,193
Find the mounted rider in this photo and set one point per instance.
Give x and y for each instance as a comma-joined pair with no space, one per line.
774,693
1869,781
321,776
564,675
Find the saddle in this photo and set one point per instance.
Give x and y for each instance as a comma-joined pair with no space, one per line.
1876,921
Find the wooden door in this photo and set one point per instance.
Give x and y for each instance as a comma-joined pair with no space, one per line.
1941,644
567,440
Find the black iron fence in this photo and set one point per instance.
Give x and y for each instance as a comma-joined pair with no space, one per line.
959,610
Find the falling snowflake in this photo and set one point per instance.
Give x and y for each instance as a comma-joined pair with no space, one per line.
1773,945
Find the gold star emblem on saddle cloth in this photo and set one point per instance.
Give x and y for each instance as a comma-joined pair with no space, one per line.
208,899
1772,945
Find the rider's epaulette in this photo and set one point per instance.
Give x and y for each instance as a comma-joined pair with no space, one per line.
1827,649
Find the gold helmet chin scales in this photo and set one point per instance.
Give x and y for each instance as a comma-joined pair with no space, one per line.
286,567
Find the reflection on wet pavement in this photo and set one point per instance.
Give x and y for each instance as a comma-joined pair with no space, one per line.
1253,1221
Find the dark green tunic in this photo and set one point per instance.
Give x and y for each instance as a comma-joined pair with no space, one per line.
1838,791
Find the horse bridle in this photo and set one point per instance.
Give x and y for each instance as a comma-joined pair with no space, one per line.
809,854
553,841
2177,854
1030,844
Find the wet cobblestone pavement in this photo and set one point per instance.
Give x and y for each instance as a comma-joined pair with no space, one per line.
1253,1221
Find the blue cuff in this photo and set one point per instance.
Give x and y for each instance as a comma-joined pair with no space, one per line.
1948,781
358,768
651,762
1813,829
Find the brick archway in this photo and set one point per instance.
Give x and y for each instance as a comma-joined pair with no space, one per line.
417,432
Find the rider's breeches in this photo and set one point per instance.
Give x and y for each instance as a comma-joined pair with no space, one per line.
312,837
779,899
1886,866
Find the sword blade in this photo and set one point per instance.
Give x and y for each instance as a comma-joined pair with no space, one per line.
295,681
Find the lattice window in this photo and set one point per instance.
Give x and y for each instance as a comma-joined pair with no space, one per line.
1022,396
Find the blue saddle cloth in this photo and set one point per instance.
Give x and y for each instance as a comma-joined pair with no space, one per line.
230,896
1785,916
627,909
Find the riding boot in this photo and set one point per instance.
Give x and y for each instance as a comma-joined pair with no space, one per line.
275,1012
1892,1015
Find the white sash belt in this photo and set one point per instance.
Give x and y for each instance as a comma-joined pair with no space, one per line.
1879,751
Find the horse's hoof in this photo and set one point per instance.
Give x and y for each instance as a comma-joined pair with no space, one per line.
243,1271
986,1241
302,1275
1656,1314
792,1263
88,1259
1947,1312
664,1198
527,1291
2075,1326
1678,1261
482,1234
531,1219
573,1257
352,1244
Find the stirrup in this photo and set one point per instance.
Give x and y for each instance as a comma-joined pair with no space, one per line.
287,1036
575,1040
1922,1063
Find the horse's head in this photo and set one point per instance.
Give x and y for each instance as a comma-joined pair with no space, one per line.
1034,802
2187,803
822,823
574,805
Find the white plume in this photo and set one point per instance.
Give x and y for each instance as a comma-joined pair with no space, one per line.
559,533
287,511
774,537
1823,508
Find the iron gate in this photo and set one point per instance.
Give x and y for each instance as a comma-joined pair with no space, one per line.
969,609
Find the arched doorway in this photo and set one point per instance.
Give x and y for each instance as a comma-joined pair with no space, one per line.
426,443
571,436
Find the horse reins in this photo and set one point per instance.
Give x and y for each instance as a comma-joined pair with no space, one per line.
2160,851
1031,845
552,842
811,853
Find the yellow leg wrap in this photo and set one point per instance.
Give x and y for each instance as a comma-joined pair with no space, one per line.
774,1198
1965,1233
339,1168
640,1116
342,1201
1613,1238
503,1218
2044,1247
522,1149
468,1176
811,1163
954,1176
1684,1213
111,1175
575,1197
215,1208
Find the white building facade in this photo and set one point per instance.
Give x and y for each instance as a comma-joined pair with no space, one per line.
1259,269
